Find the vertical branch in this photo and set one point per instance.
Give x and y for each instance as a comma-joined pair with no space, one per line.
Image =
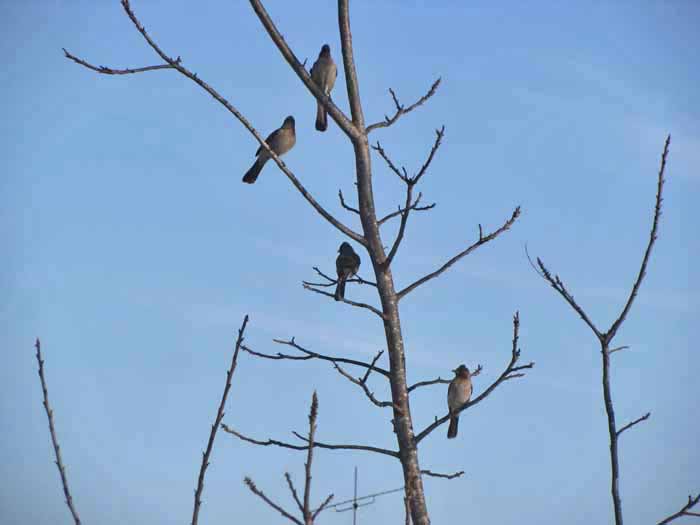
612,430
54,439
349,65
308,513
217,421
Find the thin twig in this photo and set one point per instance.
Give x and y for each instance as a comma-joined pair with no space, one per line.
333,282
344,205
365,389
401,110
647,253
632,423
441,381
217,420
510,372
293,490
54,439
343,300
308,354
316,444
371,366
445,476
401,210
109,71
255,490
483,239
692,501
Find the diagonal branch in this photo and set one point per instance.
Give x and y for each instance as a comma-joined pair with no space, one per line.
402,227
217,420
255,490
109,71
54,439
343,300
365,389
632,423
685,510
559,286
402,110
512,371
313,355
351,82
483,239
177,65
316,444
439,134
439,475
338,116
652,238
293,490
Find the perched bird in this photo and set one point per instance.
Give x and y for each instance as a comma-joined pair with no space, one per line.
458,393
323,73
347,264
280,141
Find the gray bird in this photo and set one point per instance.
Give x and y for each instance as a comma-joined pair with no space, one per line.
280,141
346,265
458,393
323,73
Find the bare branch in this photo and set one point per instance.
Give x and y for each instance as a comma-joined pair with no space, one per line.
110,71
177,65
336,114
402,227
692,501
344,205
400,173
54,439
617,349
507,374
482,240
255,490
401,110
371,366
333,282
558,285
441,381
438,141
293,490
351,82
316,444
631,424
652,238
401,210
445,476
217,420
366,390
343,300
313,355
321,507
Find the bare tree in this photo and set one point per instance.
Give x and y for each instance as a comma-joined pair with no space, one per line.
357,131
605,339
308,513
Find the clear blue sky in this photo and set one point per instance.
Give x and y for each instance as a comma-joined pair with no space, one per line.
133,250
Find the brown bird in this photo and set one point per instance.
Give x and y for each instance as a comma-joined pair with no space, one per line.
458,393
280,141
346,265
323,73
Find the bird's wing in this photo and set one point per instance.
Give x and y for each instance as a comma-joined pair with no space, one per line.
270,141
451,395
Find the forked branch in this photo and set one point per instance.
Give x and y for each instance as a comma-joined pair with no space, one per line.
511,371
177,65
356,304
54,439
401,109
685,510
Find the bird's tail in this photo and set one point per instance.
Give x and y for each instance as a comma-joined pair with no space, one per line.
252,174
452,430
321,118
340,289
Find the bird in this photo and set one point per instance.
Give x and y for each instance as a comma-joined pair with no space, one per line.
323,73
458,393
280,141
346,265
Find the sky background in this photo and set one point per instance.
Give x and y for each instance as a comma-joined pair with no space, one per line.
133,250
